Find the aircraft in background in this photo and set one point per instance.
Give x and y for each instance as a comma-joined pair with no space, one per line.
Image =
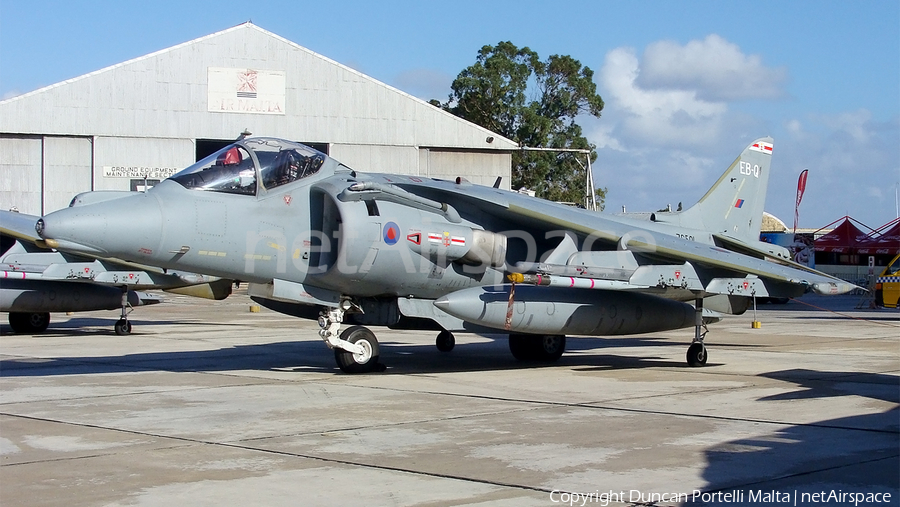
318,240
36,280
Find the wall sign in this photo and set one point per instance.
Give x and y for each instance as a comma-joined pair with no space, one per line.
250,91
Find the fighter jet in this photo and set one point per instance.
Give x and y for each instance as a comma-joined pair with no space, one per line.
317,239
36,280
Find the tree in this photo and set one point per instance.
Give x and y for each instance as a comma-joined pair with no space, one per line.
513,92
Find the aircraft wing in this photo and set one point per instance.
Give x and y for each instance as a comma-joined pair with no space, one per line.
708,256
668,259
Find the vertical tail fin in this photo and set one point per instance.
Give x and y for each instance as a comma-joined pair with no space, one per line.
734,205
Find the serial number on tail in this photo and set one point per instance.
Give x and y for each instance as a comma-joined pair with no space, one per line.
748,169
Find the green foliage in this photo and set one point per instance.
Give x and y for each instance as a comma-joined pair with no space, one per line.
511,91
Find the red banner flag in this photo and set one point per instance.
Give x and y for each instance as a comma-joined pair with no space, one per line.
801,187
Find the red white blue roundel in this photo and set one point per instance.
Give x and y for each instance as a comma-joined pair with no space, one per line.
391,233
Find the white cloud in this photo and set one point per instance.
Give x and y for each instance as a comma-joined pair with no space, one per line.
669,130
658,116
713,68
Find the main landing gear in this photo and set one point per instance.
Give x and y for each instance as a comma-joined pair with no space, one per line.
532,347
29,322
445,341
696,353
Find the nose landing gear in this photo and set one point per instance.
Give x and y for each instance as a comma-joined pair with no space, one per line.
356,348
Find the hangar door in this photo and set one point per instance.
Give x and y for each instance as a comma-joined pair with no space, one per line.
20,174
42,174
480,167
67,170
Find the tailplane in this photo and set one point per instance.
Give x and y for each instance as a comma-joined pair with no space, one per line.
734,205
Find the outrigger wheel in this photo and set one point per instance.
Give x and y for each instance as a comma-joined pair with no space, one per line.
696,354
365,362
122,327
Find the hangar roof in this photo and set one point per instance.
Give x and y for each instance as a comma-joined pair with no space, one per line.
240,78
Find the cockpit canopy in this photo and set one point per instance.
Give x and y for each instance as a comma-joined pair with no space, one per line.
251,166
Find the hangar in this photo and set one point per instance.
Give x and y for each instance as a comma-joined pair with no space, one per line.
146,118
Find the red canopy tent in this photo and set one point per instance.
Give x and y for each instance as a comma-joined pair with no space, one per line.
844,239
884,241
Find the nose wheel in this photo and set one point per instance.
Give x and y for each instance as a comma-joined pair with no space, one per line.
366,358
355,348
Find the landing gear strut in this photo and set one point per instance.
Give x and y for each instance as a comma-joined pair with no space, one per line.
696,353
123,327
532,347
356,348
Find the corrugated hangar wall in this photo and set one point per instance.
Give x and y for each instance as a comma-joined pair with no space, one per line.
152,116
42,174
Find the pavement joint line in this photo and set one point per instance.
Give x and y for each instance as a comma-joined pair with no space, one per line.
234,445
119,395
57,460
284,453
601,406
392,424
98,455
695,391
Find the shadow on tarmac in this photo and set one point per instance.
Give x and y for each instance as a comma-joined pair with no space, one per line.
582,354
855,454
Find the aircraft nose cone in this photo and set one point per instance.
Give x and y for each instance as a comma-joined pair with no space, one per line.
119,227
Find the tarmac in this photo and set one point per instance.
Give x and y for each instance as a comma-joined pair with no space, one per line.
209,404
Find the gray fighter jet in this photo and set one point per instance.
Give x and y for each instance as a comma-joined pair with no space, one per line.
36,280
319,240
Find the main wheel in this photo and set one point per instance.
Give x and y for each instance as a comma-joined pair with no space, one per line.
122,327
358,363
549,347
521,346
445,341
532,347
696,355
22,322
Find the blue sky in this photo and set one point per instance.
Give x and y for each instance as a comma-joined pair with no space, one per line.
687,84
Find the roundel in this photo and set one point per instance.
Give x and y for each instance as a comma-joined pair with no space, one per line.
391,233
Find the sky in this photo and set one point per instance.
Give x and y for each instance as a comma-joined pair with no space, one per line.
687,85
